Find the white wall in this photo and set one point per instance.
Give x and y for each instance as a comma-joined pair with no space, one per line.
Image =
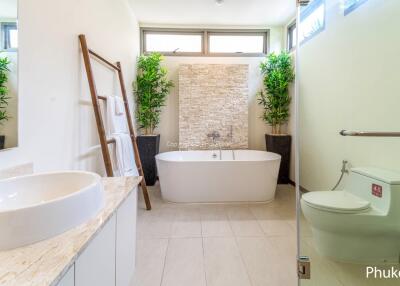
56,123
349,79
257,128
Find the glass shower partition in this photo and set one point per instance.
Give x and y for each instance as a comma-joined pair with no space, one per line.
348,78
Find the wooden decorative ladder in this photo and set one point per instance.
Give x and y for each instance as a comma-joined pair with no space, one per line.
87,53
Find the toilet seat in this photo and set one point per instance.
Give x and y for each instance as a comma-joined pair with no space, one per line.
336,201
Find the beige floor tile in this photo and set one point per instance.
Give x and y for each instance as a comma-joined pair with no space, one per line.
263,263
243,222
277,227
223,263
239,212
184,264
156,223
285,248
264,247
150,257
321,272
154,229
216,228
186,221
246,228
186,229
264,211
214,221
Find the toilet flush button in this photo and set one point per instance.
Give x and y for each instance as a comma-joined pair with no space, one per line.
377,190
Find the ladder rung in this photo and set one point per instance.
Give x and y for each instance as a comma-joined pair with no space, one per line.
112,140
102,97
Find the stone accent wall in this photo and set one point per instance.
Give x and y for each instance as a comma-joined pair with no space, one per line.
213,97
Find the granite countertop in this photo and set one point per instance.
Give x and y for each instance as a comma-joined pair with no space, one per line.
44,263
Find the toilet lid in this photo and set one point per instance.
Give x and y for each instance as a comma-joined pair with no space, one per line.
336,201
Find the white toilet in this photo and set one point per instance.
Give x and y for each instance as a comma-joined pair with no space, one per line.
360,224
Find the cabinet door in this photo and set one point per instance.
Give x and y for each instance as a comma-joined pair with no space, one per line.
68,278
126,239
96,265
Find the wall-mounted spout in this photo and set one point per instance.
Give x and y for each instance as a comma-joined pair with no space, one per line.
214,135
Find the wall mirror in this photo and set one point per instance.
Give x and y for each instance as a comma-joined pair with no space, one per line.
8,74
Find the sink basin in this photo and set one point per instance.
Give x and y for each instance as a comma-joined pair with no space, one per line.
37,207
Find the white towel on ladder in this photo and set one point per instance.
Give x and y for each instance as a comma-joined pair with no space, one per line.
119,105
116,118
125,157
118,130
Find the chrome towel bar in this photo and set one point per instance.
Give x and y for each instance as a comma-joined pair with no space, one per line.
369,133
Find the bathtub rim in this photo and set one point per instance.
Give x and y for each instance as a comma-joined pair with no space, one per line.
159,156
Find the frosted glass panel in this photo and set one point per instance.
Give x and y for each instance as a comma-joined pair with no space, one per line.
349,80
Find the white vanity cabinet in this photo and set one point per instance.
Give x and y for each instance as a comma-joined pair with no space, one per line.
109,259
96,264
68,278
126,240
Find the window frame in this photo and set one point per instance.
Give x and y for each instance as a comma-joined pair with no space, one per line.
291,46
5,28
353,7
205,36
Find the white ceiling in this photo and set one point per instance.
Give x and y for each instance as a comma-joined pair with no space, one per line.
207,12
8,9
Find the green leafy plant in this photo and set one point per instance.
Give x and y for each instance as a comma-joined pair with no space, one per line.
4,70
151,89
278,74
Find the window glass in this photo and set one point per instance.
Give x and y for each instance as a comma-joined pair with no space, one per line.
251,44
202,42
350,5
312,20
292,35
173,43
9,33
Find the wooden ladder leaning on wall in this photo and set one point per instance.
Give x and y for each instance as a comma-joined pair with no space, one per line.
87,54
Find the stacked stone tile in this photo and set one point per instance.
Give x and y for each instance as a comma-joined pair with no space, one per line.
213,97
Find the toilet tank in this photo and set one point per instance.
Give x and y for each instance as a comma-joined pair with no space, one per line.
378,186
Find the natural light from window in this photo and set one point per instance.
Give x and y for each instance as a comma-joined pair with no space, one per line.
13,39
312,23
236,44
293,37
350,5
173,43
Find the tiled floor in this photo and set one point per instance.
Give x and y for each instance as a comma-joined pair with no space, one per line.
330,273
233,244
217,244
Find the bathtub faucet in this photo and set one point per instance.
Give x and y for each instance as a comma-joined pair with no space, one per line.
214,135
230,134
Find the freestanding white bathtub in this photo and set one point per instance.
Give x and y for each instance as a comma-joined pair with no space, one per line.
218,176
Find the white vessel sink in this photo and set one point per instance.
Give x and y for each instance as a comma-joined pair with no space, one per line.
37,207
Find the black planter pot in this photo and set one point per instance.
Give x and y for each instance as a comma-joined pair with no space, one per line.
281,144
2,140
149,147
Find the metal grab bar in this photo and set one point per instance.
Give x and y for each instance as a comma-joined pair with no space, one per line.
369,133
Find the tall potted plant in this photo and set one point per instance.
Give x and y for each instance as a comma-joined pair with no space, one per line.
151,89
4,62
275,98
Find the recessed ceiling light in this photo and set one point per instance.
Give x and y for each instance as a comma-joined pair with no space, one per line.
219,2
